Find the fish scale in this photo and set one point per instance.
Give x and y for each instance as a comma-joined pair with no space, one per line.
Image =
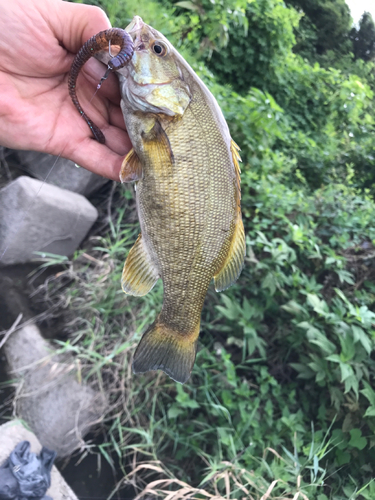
181,243
188,196
191,232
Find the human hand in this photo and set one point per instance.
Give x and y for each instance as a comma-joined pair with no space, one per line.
38,42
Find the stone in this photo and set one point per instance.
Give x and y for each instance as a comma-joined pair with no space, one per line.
5,174
13,433
59,172
39,217
51,397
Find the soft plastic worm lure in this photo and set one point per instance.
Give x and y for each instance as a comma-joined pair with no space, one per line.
100,41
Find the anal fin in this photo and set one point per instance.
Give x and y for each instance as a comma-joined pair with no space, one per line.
233,264
139,275
131,168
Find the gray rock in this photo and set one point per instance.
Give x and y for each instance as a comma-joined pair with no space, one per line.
50,398
64,173
5,173
37,217
13,433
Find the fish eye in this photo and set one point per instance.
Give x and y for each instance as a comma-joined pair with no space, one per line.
159,49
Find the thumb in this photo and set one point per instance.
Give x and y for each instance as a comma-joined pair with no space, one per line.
73,24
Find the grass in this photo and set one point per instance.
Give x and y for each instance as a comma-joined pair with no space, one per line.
278,351
174,441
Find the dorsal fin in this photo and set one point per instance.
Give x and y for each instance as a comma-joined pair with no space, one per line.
234,148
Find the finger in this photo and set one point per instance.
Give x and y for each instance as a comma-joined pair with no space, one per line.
116,118
73,24
102,106
97,158
112,126
106,116
78,23
117,140
93,71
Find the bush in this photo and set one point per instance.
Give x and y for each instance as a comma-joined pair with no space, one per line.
289,345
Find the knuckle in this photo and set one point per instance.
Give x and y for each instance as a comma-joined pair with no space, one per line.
99,13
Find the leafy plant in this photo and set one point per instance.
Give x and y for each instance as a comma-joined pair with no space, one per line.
281,401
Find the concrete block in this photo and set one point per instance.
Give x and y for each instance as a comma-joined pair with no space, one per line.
41,217
53,402
64,173
13,433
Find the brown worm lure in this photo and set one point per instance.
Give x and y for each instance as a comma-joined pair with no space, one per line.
95,44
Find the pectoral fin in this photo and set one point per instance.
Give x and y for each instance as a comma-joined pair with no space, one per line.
233,264
159,148
139,275
131,168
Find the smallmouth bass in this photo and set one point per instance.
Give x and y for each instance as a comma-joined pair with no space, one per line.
188,197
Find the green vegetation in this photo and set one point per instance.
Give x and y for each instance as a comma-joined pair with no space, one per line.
324,27
281,401
363,38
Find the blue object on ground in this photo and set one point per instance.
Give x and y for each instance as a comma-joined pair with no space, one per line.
24,475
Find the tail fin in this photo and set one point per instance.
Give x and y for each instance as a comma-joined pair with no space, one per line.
164,349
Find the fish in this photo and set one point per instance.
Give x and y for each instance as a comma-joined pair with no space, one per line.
188,197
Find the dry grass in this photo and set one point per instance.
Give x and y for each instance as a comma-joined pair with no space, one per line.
231,482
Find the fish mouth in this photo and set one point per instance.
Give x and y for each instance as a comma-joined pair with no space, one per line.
141,34
136,24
